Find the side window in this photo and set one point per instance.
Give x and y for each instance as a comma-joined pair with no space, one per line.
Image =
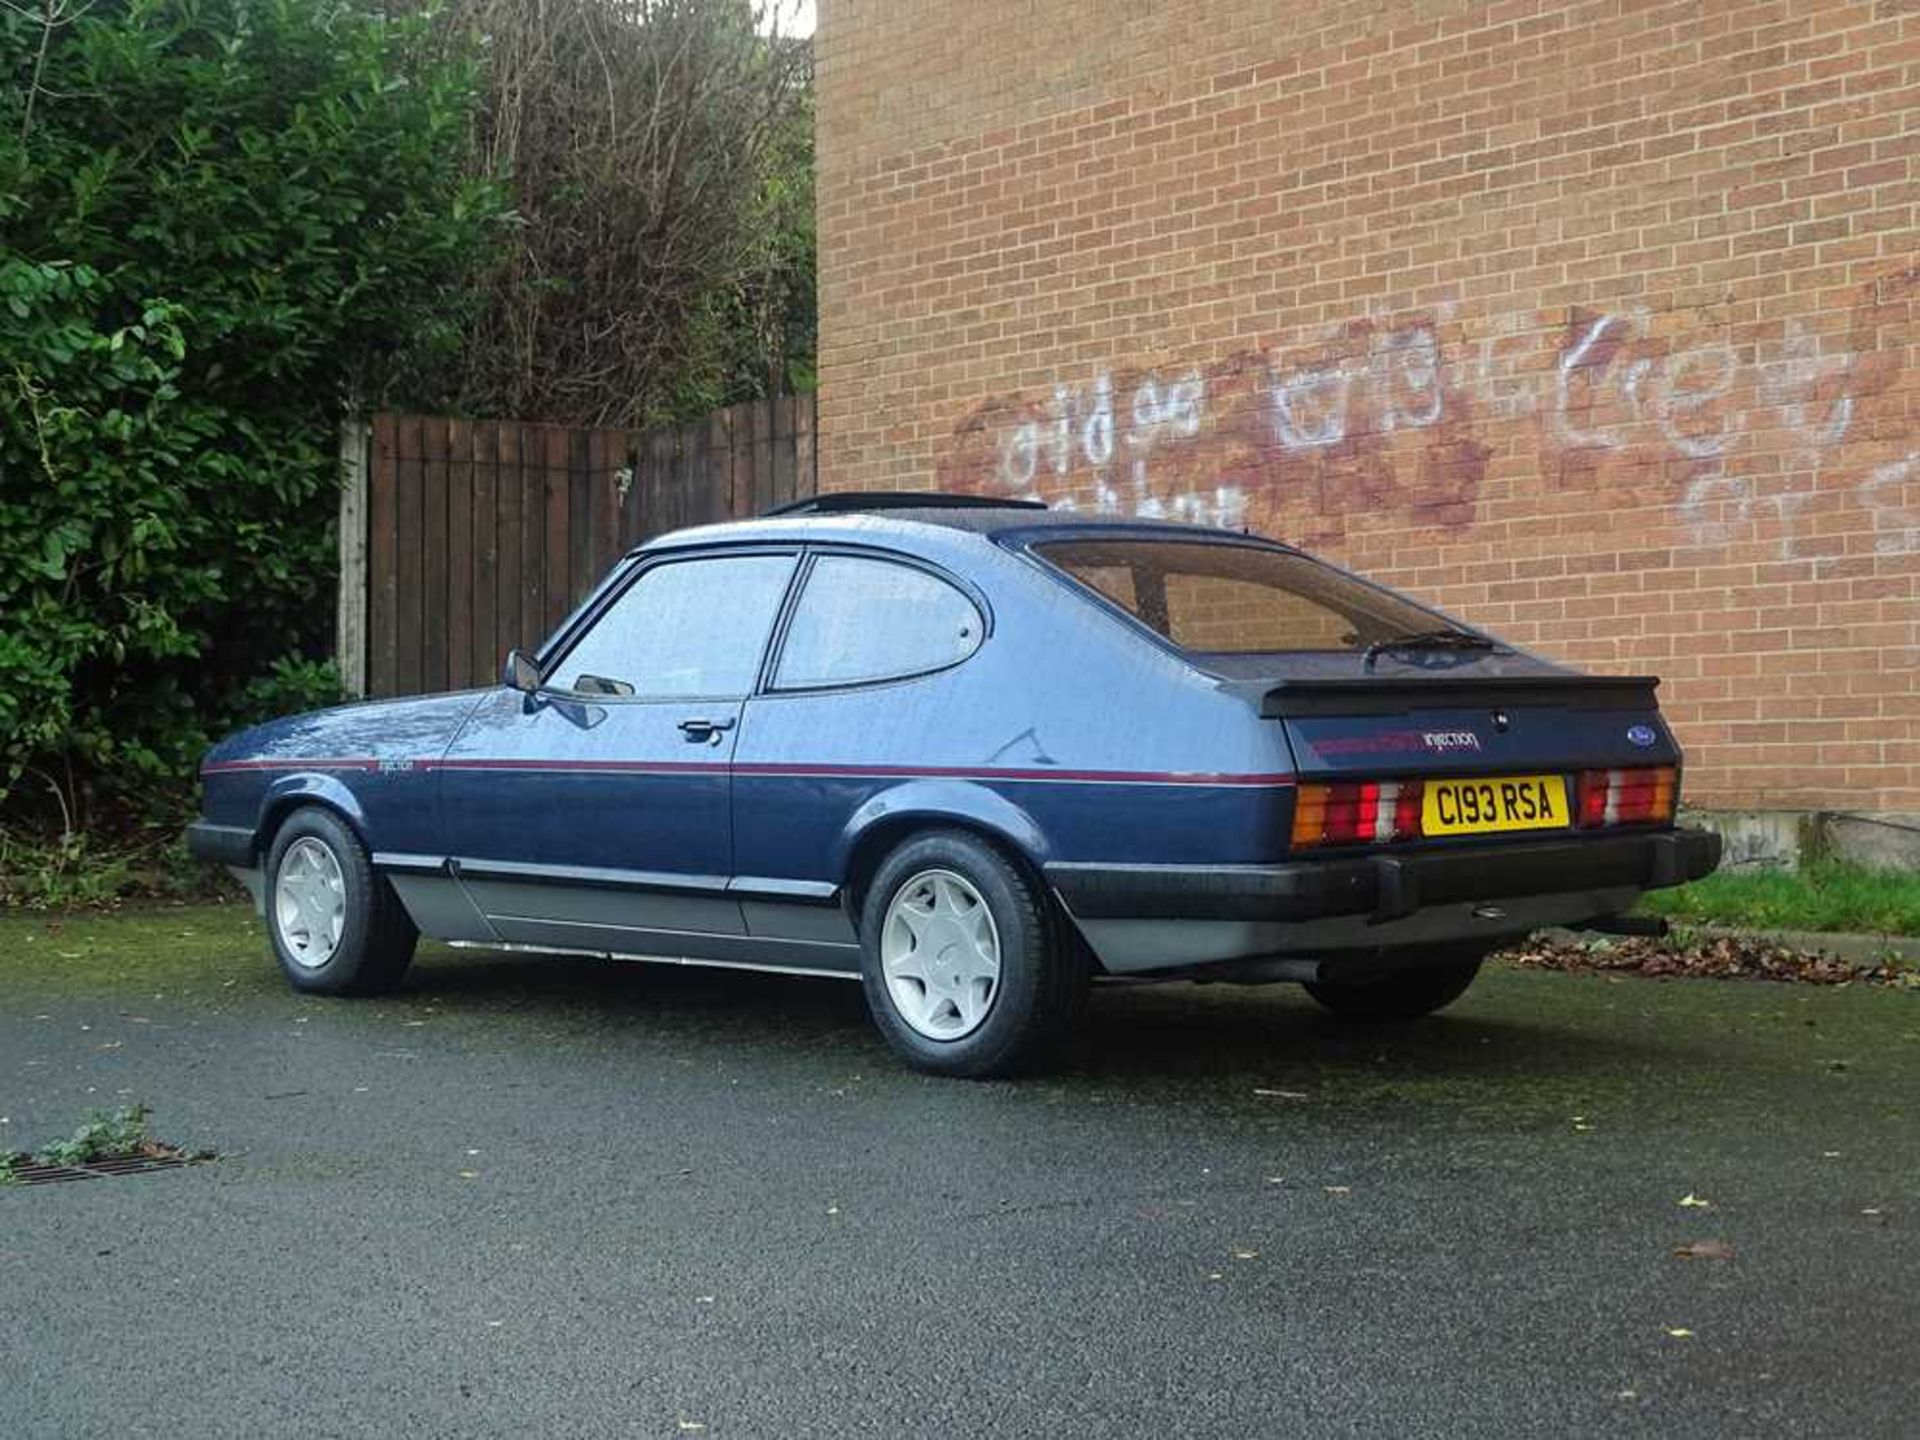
862,619
685,628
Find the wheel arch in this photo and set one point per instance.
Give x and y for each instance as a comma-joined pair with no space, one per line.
891,816
292,792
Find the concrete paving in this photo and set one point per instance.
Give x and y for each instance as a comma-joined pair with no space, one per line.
567,1198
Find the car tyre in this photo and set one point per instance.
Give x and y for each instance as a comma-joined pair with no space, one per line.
1403,994
335,924
937,905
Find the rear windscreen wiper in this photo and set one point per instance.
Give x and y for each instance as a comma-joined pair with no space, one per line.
1426,640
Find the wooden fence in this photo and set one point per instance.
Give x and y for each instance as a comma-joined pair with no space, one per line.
461,538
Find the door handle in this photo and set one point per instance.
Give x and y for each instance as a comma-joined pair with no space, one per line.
698,730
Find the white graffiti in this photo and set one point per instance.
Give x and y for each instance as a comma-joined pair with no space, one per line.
1577,361
1793,379
1717,509
1676,394
1399,381
1498,371
1171,411
1310,408
1080,426
1675,404
1612,382
1413,359
1896,528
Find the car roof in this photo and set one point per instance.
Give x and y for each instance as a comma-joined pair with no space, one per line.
928,521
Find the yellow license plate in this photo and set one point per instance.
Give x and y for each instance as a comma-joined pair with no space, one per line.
1501,802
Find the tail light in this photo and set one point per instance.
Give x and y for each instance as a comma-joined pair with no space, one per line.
1363,813
1626,797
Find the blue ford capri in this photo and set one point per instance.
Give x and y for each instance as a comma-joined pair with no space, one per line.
973,754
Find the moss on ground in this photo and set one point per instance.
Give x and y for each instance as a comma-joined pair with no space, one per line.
1535,1045
143,947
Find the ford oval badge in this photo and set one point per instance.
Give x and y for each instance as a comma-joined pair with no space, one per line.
1642,735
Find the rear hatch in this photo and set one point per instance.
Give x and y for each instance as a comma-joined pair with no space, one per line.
1402,757
1419,725
1404,724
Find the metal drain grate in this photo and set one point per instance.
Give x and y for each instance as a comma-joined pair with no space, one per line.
38,1174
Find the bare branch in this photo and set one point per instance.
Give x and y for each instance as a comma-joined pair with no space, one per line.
640,136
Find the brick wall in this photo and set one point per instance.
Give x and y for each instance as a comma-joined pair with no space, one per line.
1593,322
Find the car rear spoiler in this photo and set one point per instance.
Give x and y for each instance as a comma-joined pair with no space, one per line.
1397,695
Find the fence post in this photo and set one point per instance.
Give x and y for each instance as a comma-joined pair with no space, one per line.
350,622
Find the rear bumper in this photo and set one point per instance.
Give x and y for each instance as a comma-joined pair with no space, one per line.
1383,888
222,844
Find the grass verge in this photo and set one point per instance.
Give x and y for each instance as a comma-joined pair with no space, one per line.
1827,896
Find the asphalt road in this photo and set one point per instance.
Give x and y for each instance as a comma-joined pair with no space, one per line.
561,1198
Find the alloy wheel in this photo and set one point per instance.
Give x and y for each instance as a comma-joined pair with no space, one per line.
310,902
940,955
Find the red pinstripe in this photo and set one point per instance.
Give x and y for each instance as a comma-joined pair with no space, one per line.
776,771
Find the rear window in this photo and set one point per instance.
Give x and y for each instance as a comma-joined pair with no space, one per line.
1238,599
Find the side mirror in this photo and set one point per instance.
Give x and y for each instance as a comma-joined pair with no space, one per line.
520,673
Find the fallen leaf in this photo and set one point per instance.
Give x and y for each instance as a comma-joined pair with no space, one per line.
1721,957
1691,1201
1704,1250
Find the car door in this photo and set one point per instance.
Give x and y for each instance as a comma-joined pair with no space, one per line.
594,813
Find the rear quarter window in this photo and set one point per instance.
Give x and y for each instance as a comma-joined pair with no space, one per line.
860,620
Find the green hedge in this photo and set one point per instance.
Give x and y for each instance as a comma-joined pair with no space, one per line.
220,223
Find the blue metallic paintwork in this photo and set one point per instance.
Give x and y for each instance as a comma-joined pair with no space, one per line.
286,791
1058,686
1028,739
668,821
931,801
393,808
1547,738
